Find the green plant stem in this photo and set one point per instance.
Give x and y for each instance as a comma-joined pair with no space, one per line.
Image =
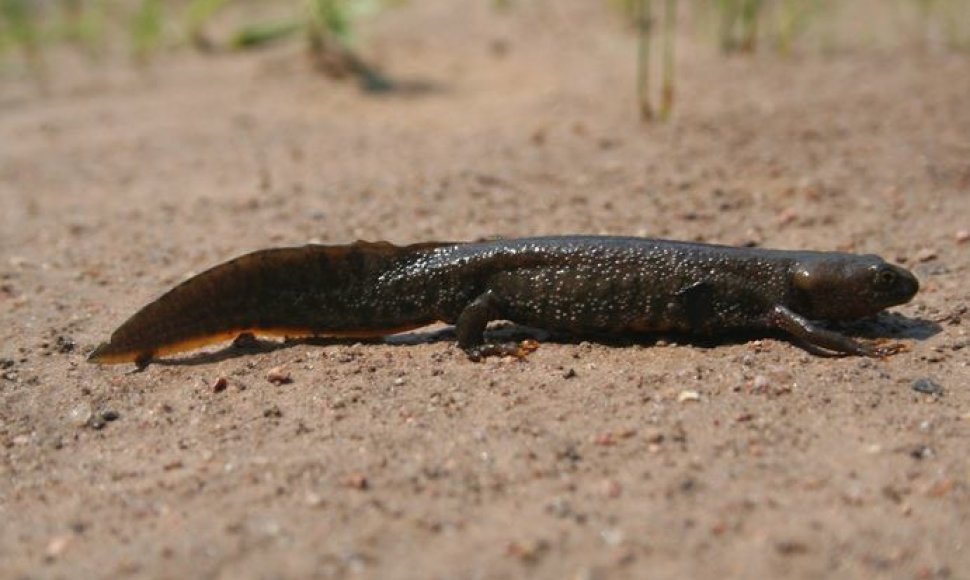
727,9
669,62
20,20
750,12
146,29
644,26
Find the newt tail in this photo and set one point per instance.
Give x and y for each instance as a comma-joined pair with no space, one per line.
280,292
577,284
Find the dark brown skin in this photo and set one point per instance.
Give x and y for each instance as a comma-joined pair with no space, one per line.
578,284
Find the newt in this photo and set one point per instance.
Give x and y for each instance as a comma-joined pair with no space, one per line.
577,284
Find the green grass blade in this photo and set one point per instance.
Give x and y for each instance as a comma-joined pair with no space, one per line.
262,34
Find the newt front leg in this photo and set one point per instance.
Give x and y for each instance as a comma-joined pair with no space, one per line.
800,327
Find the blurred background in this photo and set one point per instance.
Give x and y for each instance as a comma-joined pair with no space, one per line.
350,114
35,34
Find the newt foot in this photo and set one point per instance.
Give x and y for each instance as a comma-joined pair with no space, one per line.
883,349
518,350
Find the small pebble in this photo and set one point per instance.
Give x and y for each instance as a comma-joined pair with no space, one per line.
110,415
790,547
962,236
604,439
65,345
560,507
57,546
220,385
81,414
357,481
926,255
688,397
941,487
760,383
538,136
611,488
313,499
569,373
399,381
921,452
279,376
927,386
787,216
612,536
529,552
626,432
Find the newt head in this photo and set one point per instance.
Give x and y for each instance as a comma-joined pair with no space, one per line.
846,286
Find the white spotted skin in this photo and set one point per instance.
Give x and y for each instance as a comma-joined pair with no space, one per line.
587,284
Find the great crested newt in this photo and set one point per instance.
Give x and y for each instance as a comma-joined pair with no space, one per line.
577,284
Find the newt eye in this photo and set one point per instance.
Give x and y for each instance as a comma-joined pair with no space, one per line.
885,278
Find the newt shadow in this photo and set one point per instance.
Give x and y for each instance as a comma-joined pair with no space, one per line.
890,325
885,325
249,346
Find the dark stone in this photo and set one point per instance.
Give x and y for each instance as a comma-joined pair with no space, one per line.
927,386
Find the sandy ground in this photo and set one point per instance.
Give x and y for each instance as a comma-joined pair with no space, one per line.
407,461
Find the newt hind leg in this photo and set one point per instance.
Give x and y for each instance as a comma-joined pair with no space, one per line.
470,329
